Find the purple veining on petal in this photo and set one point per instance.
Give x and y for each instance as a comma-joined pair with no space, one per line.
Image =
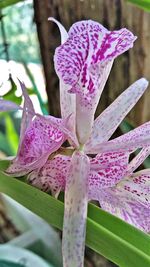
129,210
84,62
106,171
52,176
89,43
40,140
138,186
121,41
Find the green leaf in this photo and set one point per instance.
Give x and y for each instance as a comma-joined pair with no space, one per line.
6,3
4,164
106,234
11,134
4,145
144,4
11,93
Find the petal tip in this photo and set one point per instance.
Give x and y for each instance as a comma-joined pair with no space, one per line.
144,81
63,32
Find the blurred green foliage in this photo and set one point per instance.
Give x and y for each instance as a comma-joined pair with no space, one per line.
20,33
6,3
9,133
144,4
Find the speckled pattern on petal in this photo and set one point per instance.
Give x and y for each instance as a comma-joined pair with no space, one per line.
106,171
129,200
40,140
108,121
52,176
137,138
84,62
89,44
75,213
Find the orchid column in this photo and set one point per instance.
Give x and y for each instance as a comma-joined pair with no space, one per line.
83,63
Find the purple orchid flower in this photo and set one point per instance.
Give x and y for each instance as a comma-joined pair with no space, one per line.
82,62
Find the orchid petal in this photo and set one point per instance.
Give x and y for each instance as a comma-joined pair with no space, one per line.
27,101
105,125
83,110
130,200
138,160
65,125
41,138
6,105
137,186
52,176
106,171
137,138
84,61
129,210
76,199
67,101
63,32
28,113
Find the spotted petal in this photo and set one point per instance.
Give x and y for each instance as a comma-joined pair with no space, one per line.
41,138
28,113
138,160
106,171
52,176
75,214
137,138
105,125
67,101
84,61
130,200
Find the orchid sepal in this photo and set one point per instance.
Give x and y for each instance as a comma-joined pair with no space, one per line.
75,213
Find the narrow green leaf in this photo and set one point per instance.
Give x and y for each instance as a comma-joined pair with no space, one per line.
11,134
144,4
106,234
10,95
120,228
